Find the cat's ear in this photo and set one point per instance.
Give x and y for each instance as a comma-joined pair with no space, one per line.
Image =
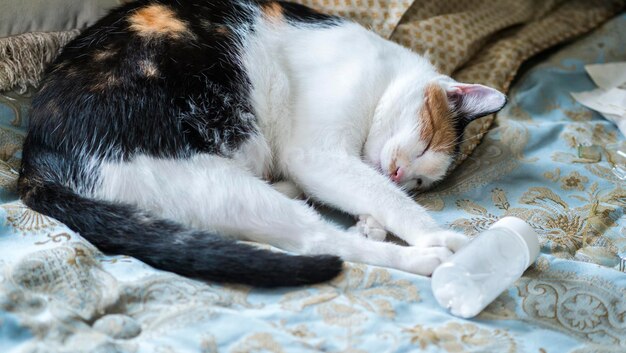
472,101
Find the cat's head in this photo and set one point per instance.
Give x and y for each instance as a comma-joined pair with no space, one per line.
417,129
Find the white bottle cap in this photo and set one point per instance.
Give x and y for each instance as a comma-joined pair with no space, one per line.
524,231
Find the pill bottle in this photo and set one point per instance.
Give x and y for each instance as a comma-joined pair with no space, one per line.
479,272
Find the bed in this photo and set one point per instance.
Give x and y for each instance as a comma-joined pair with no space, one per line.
59,294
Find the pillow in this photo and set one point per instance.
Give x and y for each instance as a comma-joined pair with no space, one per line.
22,16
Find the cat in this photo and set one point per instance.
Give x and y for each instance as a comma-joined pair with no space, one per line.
168,129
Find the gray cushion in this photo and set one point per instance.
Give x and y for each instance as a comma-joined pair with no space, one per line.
21,16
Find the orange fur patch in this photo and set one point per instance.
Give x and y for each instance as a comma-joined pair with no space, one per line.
53,108
273,12
436,117
157,20
105,81
148,68
223,30
104,54
71,72
393,165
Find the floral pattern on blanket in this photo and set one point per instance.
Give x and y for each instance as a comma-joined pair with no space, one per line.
59,294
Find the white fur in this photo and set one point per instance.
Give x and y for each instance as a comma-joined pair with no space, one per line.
370,228
333,106
216,193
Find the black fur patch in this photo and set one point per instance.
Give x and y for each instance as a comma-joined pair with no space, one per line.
118,93
299,13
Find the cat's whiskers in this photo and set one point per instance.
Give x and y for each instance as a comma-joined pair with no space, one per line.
465,140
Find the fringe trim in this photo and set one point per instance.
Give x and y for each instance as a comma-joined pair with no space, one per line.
24,57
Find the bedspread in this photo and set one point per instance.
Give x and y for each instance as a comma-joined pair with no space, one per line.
59,294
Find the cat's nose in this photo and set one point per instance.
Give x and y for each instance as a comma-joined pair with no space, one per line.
397,174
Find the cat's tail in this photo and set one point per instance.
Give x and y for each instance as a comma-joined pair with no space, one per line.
124,229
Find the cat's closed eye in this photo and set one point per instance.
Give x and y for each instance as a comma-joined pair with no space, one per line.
420,154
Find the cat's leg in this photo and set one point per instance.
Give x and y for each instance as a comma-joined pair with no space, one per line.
370,228
344,181
216,193
288,188
366,225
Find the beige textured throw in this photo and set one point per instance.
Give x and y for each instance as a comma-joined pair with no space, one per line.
23,57
478,41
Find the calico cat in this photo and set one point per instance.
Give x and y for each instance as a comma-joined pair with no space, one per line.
158,131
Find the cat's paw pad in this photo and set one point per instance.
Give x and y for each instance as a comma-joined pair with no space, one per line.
370,228
444,238
423,261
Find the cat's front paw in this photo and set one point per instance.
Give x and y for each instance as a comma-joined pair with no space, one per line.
443,238
423,260
368,227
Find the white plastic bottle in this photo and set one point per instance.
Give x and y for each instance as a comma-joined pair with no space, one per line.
473,277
